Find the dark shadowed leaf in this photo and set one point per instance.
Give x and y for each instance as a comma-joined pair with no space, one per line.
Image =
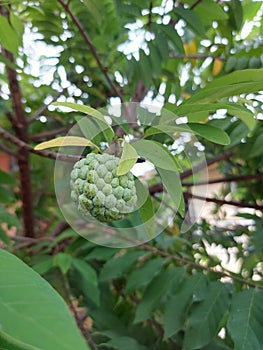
205,317
245,323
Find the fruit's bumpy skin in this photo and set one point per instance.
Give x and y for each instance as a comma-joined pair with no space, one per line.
97,190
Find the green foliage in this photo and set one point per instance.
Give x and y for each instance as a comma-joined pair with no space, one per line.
201,61
32,312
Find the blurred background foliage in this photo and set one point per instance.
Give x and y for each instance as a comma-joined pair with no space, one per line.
200,289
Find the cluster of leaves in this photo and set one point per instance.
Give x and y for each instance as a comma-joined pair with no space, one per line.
171,293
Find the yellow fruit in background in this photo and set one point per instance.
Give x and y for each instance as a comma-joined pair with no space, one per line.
217,66
191,49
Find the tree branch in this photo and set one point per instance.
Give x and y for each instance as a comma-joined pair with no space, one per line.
86,334
193,264
91,47
197,56
42,109
223,201
224,156
8,151
225,179
195,4
48,154
216,159
19,124
47,134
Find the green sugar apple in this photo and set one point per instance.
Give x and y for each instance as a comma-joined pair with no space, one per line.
97,189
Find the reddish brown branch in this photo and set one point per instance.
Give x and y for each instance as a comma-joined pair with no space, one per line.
223,201
216,159
91,47
8,151
224,156
47,134
197,56
48,154
225,179
19,124
42,109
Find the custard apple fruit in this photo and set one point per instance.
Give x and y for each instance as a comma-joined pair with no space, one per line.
96,189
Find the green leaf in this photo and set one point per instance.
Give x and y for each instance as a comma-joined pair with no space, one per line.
9,219
210,133
209,11
257,147
155,59
115,267
63,261
192,20
142,276
87,280
156,290
95,130
145,68
236,83
84,109
7,62
101,253
216,345
245,323
190,109
162,46
208,312
17,25
43,265
64,141
238,77
6,178
8,37
157,154
192,290
172,184
128,159
237,134
32,312
124,342
171,34
146,209
10,343
235,14
6,195
4,237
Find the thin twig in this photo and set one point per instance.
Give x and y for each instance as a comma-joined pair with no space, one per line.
224,202
195,4
91,47
225,179
42,109
48,154
149,24
197,56
187,173
8,151
193,264
47,134
86,334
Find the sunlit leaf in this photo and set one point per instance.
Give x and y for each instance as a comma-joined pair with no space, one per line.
84,109
65,141
128,159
